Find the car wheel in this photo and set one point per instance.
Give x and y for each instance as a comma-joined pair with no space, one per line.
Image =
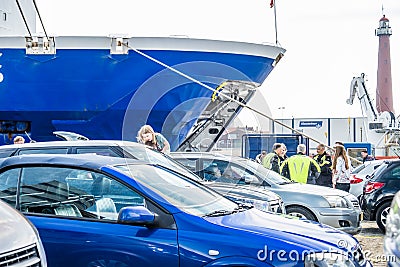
301,213
381,215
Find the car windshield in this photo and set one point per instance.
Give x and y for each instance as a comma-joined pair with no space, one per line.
268,175
148,155
370,168
181,192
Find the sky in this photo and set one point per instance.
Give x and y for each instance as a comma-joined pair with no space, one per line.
327,42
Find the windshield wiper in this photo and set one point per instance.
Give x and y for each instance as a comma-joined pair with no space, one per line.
217,213
243,207
286,182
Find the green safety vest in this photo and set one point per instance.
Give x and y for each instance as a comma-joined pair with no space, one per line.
299,167
266,162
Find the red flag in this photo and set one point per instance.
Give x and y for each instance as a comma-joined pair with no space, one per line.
271,5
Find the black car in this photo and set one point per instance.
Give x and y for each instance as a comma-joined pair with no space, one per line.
379,192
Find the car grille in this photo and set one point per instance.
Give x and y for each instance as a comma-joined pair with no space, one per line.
26,256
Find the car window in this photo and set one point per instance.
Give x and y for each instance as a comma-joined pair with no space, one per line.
392,173
5,153
378,171
103,151
369,169
269,176
71,192
43,151
8,186
230,172
358,169
189,164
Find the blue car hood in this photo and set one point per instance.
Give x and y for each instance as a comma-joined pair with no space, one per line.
301,233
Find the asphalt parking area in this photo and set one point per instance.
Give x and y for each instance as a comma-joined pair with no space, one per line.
371,240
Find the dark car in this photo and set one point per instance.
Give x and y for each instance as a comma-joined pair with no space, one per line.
106,211
261,199
329,206
379,192
360,175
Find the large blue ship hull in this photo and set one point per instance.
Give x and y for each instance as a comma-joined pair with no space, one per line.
110,96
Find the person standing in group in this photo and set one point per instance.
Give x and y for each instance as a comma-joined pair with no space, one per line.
365,156
325,163
341,169
283,155
260,157
148,136
301,168
274,159
19,140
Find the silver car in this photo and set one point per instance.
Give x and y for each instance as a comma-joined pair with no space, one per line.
329,206
20,244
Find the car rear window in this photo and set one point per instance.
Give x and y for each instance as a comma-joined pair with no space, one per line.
358,169
58,150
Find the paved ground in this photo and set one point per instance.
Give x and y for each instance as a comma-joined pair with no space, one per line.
371,240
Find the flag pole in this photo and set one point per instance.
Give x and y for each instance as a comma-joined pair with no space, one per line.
273,2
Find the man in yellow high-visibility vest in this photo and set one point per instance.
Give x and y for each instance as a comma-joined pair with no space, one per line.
301,168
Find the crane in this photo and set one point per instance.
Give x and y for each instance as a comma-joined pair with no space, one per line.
383,127
379,122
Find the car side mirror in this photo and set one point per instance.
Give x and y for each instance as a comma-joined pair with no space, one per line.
137,215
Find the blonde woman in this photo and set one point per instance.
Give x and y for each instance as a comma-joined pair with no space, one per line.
147,136
341,169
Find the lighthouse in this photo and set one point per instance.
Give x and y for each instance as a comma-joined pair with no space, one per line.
384,98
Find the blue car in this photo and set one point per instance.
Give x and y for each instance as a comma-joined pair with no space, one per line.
106,211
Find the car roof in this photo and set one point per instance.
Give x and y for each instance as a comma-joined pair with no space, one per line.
215,155
78,160
72,143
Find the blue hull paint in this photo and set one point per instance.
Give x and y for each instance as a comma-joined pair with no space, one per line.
104,96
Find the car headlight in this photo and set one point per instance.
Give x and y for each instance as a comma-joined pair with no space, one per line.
258,204
336,201
325,259
262,205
